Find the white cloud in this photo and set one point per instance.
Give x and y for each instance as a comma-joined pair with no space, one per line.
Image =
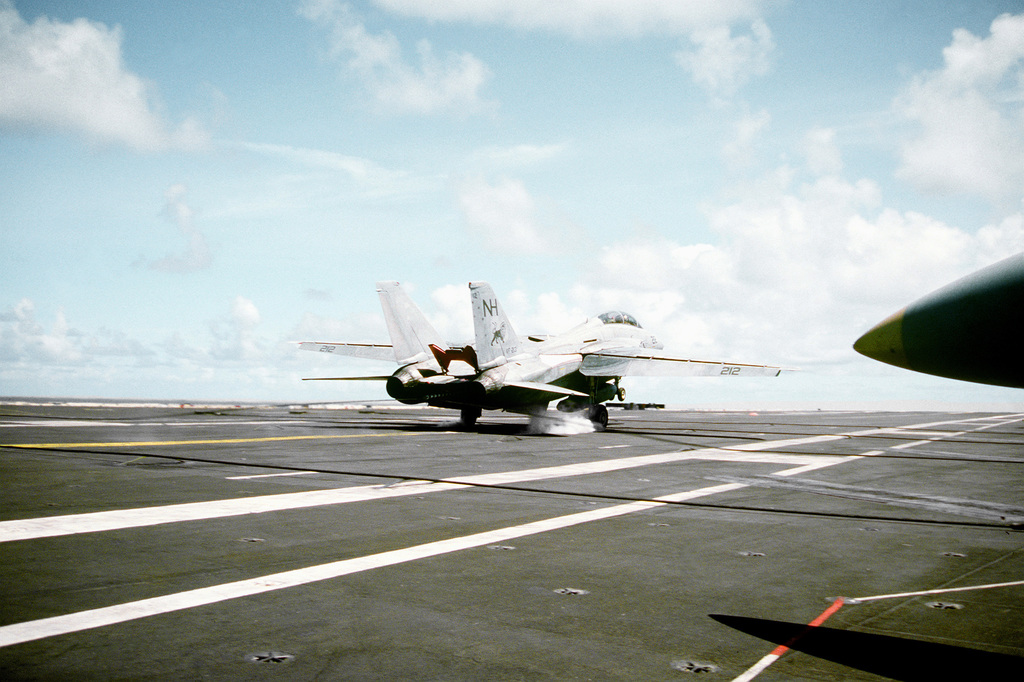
799,272
23,339
116,343
653,263
722,63
821,152
358,168
371,178
552,315
242,341
450,313
586,17
196,255
433,85
71,77
503,214
318,295
521,155
740,150
230,357
969,116
232,341
364,328
244,313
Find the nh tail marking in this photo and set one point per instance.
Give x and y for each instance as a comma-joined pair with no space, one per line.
496,341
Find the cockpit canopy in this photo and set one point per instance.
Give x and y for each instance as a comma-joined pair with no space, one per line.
618,317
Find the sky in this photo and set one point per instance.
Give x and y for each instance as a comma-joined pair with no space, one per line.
186,188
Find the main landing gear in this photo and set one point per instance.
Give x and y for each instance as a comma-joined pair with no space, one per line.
598,415
595,412
470,415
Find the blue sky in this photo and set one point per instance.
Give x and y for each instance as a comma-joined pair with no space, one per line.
187,187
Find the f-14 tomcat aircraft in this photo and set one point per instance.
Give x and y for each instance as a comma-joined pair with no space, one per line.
503,371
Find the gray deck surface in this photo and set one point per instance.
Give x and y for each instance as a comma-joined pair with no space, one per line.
543,573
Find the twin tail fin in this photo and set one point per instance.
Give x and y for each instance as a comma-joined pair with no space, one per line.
496,340
411,334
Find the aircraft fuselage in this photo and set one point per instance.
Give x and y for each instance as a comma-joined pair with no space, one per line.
555,361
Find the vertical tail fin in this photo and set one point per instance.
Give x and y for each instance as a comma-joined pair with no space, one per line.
411,333
496,341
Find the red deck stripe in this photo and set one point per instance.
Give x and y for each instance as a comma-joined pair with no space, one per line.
825,615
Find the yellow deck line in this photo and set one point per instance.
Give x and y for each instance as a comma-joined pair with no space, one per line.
137,444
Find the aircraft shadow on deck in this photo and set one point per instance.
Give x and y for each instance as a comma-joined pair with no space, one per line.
523,428
553,427
893,657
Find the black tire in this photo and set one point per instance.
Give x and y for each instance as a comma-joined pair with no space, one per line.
469,416
598,414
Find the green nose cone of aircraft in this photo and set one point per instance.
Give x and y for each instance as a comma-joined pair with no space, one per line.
969,330
884,342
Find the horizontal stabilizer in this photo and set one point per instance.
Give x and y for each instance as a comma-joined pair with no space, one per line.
991,511
545,388
649,362
366,351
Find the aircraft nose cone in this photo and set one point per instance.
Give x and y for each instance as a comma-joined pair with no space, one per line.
884,342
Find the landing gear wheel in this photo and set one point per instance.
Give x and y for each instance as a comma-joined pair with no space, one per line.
469,416
598,414
621,394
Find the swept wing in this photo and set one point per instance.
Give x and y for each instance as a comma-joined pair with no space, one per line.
366,351
550,389
651,362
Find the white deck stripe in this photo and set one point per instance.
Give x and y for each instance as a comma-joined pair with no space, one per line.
53,526
757,668
943,590
20,633
769,659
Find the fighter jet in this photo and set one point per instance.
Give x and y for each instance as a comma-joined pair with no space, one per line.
503,371
967,330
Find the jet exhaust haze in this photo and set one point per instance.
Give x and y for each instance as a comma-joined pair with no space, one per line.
559,424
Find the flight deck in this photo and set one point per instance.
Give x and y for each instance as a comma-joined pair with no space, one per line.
171,542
